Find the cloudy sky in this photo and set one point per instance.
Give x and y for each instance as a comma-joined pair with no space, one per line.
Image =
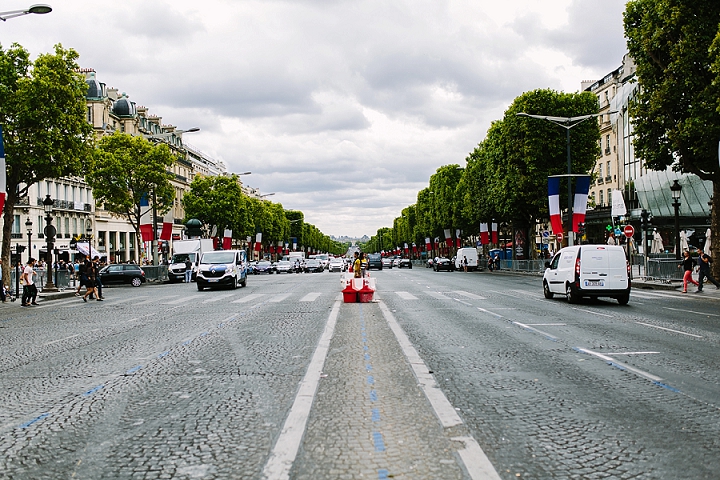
342,108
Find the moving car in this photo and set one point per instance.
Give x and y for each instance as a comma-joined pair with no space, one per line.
588,271
336,265
387,262
313,265
222,268
284,266
132,274
404,263
443,264
374,261
263,266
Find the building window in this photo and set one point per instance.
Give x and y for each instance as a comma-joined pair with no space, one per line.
601,198
90,114
607,143
609,197
16,224
609,173
600,170
75,230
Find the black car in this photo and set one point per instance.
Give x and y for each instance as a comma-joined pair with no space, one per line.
374,261
443,264
263,267
404,263
132,274
312,265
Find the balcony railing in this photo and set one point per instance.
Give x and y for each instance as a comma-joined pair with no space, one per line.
608,179
23,201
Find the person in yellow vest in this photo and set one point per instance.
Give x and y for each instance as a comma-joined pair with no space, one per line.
357,266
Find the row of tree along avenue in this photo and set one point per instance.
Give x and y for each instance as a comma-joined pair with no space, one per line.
504,180
676,119
46,135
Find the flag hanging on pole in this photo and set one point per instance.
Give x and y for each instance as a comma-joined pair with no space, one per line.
146,220
484,240
494,233
448,237
582,185
428,244
258,241
554,204
227,239
167,226
3,180
458,240
407,251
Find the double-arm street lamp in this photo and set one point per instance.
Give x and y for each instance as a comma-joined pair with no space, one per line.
50,237
39,9
567,123
675,190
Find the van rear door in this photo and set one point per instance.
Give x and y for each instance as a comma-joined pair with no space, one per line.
594,265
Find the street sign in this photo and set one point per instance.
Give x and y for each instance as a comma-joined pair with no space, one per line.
559,236
546,234
629,231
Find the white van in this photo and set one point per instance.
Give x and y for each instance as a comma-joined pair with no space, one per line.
588,271
222,268
472,258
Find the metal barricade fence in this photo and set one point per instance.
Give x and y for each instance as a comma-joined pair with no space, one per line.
664,269
156,273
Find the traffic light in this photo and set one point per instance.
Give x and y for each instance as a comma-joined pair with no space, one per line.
645,218
581,228
19,248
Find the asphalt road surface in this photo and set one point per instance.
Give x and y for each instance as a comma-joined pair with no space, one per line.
445,375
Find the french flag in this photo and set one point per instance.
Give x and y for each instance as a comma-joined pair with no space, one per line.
554,203
448,237
458,239
3,180
428,244
484,239
167,226
227,239
582,185
495,233
258,241
146,220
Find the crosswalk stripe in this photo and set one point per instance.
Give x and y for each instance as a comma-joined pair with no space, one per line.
279,298
310,297
470,295
182,300
406,296
252,296
156,300
218,298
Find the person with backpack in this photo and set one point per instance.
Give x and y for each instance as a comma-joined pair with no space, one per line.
704,261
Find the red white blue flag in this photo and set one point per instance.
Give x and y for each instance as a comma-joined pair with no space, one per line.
554,204
146,220
484,239
582,185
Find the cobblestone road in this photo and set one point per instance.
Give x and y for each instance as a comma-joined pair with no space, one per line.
168,382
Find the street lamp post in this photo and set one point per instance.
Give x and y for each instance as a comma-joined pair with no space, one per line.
28,227
675,190
567,123
50,237
38,9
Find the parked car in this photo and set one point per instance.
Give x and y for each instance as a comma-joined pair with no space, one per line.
132,274
588,271
336,265
387,262
264,266
313,265
443,264
284,266
374,261
405,263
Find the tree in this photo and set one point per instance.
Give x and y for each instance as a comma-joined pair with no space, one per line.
42,111
218,201
676,115
128,168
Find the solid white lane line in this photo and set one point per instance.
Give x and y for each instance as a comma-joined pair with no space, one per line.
546,324
475,460
285,450
491,313
311,297
463,302
630,353
528,327
637,371
62,339
594,313
279,298
690,311
670,330
406,295
252,296
470,295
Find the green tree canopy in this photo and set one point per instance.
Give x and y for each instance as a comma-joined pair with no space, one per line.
126,168
218,201
42,112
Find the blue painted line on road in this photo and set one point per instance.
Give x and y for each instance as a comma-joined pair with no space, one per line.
375,414
164,354
383,474
613,364
672,389
368,367
365,348
133,370
373,396
378,442
204,334
92,390
367,357
221,325
187,342
370,380
34,420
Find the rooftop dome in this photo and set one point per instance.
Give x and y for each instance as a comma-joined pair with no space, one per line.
94,87
123,107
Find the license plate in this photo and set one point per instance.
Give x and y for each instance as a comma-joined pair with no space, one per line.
212,279
594,283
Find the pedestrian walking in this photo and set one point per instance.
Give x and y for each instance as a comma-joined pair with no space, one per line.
465,264
82,277
29,289
688,265
98,281
704,261
90,279
188,270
